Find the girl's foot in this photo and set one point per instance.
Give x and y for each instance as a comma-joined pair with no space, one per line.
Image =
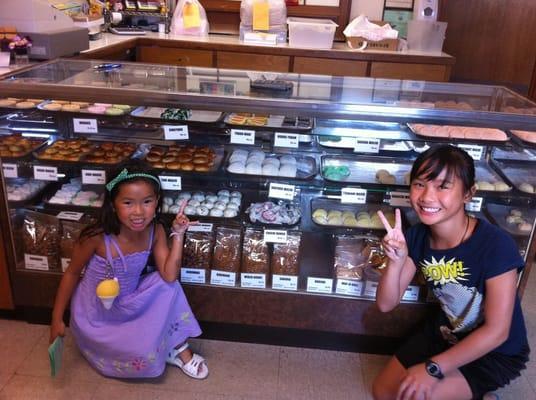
190,363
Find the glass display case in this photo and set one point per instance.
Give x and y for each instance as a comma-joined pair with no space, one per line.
285,173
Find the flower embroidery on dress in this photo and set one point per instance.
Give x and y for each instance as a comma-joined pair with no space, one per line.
138,364
151,357
119,366
185,316
174,327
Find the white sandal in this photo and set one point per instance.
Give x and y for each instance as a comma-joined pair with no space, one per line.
195,368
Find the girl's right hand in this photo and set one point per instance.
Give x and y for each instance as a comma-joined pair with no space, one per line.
181,222
56,329
394,242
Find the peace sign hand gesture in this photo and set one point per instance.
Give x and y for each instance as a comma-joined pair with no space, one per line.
181,222
394,242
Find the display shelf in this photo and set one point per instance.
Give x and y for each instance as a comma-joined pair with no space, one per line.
350,112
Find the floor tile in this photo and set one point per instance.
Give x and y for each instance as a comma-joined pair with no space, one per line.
23,387
133,391
517,390
17,339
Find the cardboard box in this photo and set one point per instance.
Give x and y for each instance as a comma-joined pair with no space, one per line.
355,42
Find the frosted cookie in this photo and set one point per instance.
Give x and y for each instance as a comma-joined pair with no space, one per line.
288,170
52,107
25,104
96,109
81,104
237,168
253,168
124,107
102,104
501,187
524,227
286,159
114,111
62,102
270,169
526,187
7,103
484,185
70,107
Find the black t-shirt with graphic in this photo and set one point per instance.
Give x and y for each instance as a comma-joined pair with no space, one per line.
458,277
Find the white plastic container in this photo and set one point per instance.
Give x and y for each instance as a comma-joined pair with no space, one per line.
427,36
311,33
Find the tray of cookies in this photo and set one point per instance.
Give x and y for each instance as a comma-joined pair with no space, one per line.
71,150
259,163
182,157
86,107
488,180
71,196
19,104
519,175
371,170
248,120
177,114
331,213
459,133
109,153
515,220
21,192
222,204
16,146
524,138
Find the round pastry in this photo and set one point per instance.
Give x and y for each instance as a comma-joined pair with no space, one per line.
524,227
208,204
187,166
152,157
121,107
202,210
257,153
232,206
253,168
322,220
81,104
223,192
212,198
380,173
334,220
70,107
159,164
230,213
286,159
516,212
198,196
62,102
167,200
288,170
235,200
189,210
114,111
484,185
165,208
270,169
194,203
168,159
350,221
334,213
237,168
7,102
387,179
256,158
200,160
220,205
52,107
271,160
526,187
103,104
201,167
238,155
320,213
216,212
158,150
514,219
173,165
25,104
223,198
347,214
96,109
184,158
501,187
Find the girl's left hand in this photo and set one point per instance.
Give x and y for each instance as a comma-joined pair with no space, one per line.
417,385
181,222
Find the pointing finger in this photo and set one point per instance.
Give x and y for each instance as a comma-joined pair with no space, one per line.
182,207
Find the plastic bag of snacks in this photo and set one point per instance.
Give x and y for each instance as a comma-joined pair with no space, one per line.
70,232
227,249
189,18
285,257
41,240
197,252
352,255
255,255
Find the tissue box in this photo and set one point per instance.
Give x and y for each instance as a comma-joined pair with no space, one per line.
356,42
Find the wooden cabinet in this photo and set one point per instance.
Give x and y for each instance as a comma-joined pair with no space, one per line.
254,61
421,72
174,56
326,66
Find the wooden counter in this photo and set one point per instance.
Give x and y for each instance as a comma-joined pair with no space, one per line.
221,51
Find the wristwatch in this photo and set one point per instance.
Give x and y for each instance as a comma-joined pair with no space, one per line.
433,369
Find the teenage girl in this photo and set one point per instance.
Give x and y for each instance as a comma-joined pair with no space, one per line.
478,341
150,320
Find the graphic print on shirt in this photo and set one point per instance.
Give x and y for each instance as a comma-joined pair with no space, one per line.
462,304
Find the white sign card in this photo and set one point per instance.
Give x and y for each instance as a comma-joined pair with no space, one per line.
45,173
170,182
10,170
290,140
32,261
367,145
192,275
476,152
275,236
475,204
281,191
399,199
222,278
349,287
351,195
93,177
201,227
84,125
70,215
242,136
176,132
284,282
253,281
319,285
411,293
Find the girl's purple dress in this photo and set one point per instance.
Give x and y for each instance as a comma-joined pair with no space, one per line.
148,318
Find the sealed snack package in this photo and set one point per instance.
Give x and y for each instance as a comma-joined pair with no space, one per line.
197,252
285,257
189,18
41,237
70,232
352,255
227,249
255,256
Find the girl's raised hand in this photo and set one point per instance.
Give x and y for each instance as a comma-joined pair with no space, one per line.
181,222
394,242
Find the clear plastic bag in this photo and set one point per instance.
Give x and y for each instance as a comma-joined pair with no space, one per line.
285,257
189,18
41,237
255,256
70,232
277,12
227,250
197,252
355,255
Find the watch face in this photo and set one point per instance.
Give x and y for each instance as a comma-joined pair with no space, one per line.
432,368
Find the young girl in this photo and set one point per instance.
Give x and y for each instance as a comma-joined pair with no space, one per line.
149,322
478,342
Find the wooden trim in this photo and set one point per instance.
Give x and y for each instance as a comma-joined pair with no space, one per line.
532,87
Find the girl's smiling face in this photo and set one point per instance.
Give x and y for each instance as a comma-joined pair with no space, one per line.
438,199
135,205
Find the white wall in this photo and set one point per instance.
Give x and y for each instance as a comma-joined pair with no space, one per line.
373,9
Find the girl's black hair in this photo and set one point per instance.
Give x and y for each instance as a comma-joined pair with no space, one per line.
108,222
432,162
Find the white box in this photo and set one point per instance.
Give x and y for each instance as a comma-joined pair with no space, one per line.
311,33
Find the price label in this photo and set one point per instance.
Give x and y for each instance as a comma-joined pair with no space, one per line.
370,289
32,261
349,287
82,125
367,145
275,236
10,170
411,293
475,204
281,191
192,275
253,281
65,263
242,136
291,140
170,182
45,173
319,285
284,282
70,215
399,199
476,152
201,227
222,278
351,195
176,132
93,177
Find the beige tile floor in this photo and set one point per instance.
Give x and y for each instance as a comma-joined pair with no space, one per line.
238,371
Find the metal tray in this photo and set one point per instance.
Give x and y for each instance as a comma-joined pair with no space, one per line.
219,152
275,121
517,174
499,213
447,137
17,101
30,199
483,172
197,115
37,143
363,169
305,167
84,109
513,154
335,205
348,142
175,196
521,142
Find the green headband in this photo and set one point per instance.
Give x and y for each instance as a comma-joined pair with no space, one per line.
124,175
